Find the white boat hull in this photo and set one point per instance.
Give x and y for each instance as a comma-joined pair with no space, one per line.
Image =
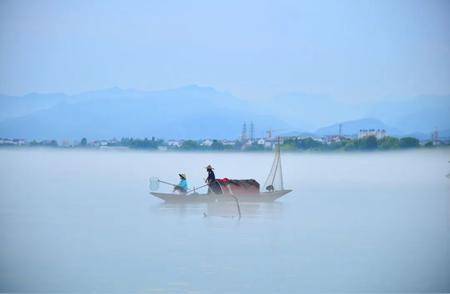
205,198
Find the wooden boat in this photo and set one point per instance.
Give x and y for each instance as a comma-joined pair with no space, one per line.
274,190
205,198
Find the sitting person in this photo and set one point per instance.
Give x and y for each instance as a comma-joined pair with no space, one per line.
182,185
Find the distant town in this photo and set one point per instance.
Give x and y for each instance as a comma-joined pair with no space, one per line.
366,139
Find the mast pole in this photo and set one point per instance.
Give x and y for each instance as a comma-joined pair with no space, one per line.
279,162
281,171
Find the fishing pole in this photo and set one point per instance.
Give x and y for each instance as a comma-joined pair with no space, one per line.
167,183
189,191
193,189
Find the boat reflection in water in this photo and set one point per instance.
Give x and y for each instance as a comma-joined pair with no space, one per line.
227,209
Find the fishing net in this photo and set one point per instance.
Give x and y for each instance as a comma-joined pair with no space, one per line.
153,183
274,180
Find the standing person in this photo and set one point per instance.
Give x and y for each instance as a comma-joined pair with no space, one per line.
213,186
211,176
182,185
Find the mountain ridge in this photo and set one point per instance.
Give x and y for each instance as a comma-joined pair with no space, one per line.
194,111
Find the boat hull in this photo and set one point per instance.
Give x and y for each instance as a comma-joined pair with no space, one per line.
205,198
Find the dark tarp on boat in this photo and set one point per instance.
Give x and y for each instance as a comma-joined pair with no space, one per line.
248,186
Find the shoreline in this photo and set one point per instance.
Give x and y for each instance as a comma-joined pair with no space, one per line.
267,151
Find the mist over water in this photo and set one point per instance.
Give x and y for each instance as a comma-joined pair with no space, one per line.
84,221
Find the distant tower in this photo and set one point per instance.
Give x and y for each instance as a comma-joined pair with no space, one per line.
252,131
435,137
244,132
340,130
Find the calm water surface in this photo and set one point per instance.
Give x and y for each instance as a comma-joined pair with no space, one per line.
84,221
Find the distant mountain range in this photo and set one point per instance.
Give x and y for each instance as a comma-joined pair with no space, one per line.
203,112
417,114
187,112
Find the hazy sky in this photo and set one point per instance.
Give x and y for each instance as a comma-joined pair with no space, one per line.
255,49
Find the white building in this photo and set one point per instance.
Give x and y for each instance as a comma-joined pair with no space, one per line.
6,141
268,144
379,134
113,141
206,143
331,139
229,142
99,143
174,143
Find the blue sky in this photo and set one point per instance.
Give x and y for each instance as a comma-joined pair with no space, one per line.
351,50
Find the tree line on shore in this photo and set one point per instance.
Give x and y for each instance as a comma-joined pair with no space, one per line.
287,144
345,144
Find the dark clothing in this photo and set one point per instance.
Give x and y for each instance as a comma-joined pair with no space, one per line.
213,185
211,176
